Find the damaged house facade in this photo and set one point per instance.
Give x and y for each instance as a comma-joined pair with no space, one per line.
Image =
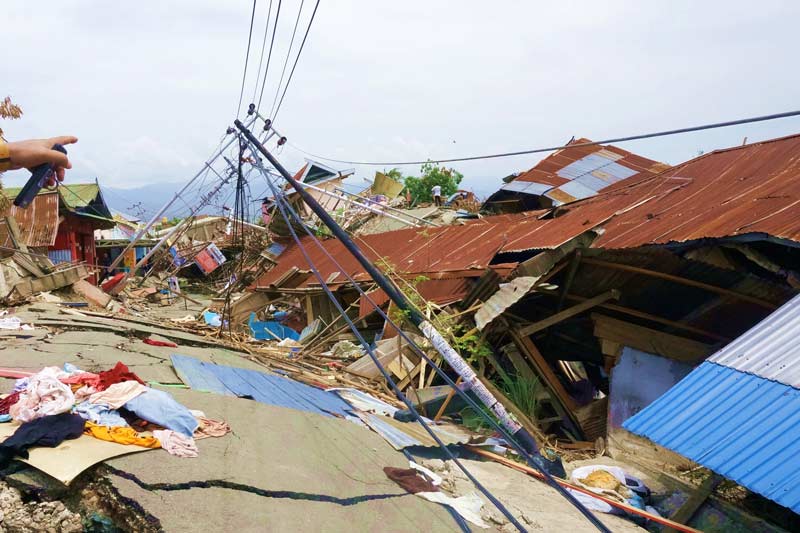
606,295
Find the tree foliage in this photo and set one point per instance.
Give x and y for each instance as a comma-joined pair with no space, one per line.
9,110
432,174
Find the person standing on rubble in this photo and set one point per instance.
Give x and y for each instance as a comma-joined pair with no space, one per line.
34,152
436,192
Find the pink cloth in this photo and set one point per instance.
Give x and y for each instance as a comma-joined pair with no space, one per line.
176,444
84,393
80,377
118,394
210,428
44,395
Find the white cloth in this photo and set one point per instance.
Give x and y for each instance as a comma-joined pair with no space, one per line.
44,395
468,506
436,190
13,322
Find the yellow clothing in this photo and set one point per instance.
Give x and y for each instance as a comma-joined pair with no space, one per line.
5,157
121,435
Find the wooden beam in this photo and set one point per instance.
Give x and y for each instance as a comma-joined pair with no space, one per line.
682,281
574,263
530,329
666,322
544,370
446,401
650,340
685,512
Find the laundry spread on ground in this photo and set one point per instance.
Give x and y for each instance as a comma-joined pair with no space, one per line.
61,403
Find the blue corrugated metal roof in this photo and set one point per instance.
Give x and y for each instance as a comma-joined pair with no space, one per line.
260,386
769,349
739,425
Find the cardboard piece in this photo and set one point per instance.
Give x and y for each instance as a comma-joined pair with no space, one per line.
71,457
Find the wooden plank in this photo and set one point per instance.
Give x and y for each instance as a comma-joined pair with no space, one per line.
530,329
446,401
650,340
685,512
682,281
14,233
542,367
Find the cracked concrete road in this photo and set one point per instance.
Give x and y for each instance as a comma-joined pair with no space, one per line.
302,459
280,470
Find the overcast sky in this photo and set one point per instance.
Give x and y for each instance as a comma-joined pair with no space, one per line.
149,87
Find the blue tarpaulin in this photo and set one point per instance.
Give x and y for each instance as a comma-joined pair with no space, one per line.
270,330
260,386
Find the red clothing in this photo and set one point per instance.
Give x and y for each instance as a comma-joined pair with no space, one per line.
6,403
103,380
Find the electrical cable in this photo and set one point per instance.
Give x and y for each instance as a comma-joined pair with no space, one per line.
288,54
510,439
269,56
263,47
281,202
296,59
246,58
716,125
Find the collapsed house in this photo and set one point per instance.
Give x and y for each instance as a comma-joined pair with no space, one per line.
115,240
61,223
607,301
50,244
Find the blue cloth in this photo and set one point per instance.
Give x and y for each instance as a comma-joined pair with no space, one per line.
99,413
160,408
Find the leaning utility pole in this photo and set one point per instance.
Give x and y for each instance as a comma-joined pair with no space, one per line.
456,362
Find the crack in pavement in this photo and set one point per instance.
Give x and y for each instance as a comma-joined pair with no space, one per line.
279,494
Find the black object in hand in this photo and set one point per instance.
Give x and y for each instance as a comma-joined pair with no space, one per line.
39,176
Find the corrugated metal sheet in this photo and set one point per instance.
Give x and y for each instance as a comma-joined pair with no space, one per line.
737,191
262,387
438,291
769,349
404,434
739,425
59,256
38,224
592,167
509,294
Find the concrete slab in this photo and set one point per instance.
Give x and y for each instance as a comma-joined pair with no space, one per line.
217,509
278,449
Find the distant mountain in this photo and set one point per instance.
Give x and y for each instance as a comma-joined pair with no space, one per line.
143,202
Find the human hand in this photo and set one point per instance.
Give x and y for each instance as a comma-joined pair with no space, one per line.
34,152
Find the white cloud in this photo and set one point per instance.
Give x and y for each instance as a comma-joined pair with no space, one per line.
150,90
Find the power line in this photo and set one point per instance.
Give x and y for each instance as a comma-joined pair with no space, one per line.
762,118
288,54
263,47
300,51
247,57
269,56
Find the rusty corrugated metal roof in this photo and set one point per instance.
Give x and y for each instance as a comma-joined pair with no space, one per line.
741,190
576,172
38,224
751,189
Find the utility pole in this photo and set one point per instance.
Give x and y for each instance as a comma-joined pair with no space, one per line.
456,362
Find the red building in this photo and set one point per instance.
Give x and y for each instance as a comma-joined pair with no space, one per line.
61,222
